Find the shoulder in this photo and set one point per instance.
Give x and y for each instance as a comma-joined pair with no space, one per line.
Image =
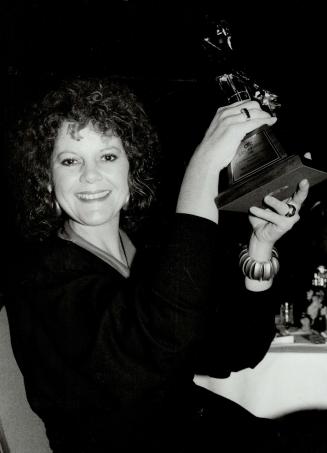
55,257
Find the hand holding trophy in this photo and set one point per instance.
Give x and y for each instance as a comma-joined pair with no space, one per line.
261,166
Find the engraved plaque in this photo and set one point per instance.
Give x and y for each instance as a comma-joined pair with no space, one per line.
258,150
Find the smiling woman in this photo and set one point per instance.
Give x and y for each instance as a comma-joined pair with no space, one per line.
90,182
109,344
91,146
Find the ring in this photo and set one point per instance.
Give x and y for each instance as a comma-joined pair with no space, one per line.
246,113
291,210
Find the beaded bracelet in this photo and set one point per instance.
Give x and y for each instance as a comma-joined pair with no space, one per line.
259,270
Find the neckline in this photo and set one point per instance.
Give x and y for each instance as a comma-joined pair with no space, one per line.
69,234
124,251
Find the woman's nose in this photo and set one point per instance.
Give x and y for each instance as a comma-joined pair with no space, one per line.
90,173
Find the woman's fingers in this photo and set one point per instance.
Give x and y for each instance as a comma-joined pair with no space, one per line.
284,207
241,118
283,214
233,111
273,217
253,115
248,103
245,126
301,194
245,109
228,128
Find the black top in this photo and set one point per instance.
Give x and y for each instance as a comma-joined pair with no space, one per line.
109,362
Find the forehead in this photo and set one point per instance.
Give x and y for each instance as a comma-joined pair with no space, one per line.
72,137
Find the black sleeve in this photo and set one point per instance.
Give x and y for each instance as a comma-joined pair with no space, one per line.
180,283
242,322
238,338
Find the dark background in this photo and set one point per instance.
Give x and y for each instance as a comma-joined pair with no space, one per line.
157,48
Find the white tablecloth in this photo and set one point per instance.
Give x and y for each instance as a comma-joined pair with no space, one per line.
289,378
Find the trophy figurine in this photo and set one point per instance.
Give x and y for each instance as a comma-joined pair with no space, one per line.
261,166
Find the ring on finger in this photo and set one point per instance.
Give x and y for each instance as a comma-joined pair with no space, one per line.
291,210
246,113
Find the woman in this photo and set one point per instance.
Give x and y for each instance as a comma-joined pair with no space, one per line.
109,342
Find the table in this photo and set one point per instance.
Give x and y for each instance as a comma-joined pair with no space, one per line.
289,378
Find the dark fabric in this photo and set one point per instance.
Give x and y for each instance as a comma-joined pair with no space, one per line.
109,362
303,431
222,425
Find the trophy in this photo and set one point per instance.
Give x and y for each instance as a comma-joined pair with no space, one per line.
261,166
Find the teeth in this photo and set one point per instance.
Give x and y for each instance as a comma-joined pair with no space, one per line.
93,196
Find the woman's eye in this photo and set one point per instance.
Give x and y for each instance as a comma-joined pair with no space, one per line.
109,157
69,161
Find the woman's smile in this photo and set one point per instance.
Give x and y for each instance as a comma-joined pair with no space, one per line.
93,196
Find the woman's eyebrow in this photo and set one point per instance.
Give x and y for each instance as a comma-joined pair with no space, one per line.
65,151
101,150
109,148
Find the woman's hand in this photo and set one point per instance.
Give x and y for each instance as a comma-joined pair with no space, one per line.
228,128
271,224
218,147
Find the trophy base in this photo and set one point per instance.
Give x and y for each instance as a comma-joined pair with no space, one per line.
279,180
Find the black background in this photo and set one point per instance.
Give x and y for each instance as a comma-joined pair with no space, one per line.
157,47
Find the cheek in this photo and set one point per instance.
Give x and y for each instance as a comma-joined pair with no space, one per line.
62,185
57,177
124,180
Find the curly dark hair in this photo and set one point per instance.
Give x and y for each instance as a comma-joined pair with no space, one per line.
108,105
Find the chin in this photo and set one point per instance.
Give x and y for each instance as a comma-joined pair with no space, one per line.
95,222
96,219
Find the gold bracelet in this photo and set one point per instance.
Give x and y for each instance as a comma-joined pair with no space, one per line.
259,270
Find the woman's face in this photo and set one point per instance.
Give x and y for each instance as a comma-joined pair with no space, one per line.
90,175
